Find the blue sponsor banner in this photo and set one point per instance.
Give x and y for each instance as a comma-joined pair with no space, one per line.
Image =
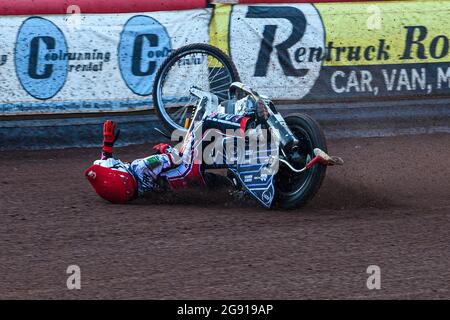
40,73
87,63
144,44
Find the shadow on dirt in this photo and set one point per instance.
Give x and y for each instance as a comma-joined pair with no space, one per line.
221,197
335,194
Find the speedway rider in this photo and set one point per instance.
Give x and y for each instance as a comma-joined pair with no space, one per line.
120,182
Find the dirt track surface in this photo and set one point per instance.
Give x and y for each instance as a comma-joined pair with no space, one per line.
388,206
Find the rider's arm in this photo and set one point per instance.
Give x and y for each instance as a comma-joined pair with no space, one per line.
109,137
172,153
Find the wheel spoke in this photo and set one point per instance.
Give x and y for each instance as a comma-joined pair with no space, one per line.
201,68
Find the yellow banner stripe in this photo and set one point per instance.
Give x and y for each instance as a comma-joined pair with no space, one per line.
219,27
396,32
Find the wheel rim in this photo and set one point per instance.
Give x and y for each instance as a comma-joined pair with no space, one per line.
195,67
289,182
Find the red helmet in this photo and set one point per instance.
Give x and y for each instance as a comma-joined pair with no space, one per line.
116,186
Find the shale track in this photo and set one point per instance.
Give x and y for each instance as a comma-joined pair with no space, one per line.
388,206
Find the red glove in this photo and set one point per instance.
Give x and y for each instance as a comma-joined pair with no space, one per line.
161,148
172,153
109,135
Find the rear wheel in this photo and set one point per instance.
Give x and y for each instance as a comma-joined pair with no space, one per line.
293,190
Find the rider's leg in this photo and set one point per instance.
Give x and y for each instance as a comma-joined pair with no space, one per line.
235,125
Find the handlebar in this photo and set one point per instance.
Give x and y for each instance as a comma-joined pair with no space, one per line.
243,87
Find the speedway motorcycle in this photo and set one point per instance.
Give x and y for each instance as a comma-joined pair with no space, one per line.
198,80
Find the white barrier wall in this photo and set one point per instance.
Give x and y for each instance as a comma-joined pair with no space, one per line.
325,52
93,62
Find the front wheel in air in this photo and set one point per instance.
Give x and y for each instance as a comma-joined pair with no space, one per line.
200,65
